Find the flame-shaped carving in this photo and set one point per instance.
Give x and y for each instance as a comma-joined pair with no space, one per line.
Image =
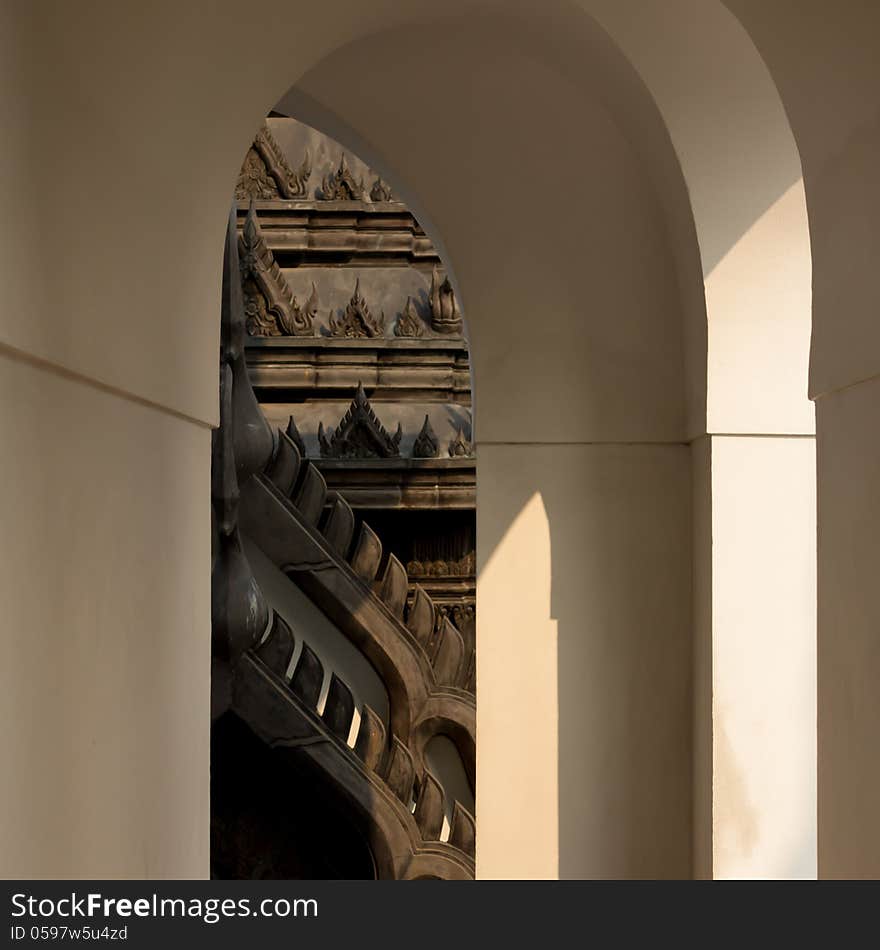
341,185
460,447
445,315
426,445
254,180
409,323
266,173
311,305
357,321
270,307
380,191
359,434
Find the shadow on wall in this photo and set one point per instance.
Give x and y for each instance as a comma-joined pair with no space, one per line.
600,636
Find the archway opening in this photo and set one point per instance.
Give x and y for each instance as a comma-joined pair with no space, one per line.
611,432
355,533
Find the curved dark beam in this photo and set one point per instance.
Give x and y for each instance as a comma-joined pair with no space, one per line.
264,700
299,549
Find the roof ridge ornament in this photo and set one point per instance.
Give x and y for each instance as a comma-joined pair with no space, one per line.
445,315
460,447
266,173
357,321
341,184
270,307
426,445
380,191
409,323
359,434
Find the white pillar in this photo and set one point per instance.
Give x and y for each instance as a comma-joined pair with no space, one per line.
763,651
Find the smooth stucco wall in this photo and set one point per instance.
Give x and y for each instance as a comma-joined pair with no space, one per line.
758,299
583,676
551,229
763,598
826,69
588,348
93,283
105,593
584,711
849,621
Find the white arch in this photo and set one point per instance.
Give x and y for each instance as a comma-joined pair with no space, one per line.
172,173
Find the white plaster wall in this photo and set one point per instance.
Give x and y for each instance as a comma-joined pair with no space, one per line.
105,593
742,167
758,297
123,164
826,69
126,143
825,65
703,773
849,620
584,661
120,203
764,657
551,229
753,235
583,704
517,682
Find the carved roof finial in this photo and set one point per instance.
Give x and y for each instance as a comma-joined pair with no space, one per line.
266,173
250,239
253,441
359,434
341,185
445,315
460,447
380,191
409,323
311,306
426,445
357,321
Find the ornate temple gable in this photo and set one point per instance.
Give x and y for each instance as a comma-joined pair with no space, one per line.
266,173
445,315
270,307
409,323
291,183
460,447
357,321
254,180
359,434
380,191
341,185
426,445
